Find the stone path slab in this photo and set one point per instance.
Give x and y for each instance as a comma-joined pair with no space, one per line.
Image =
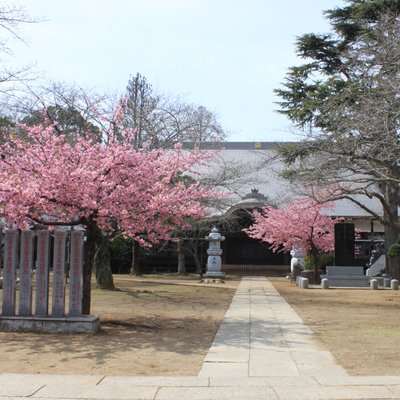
263,351
262,330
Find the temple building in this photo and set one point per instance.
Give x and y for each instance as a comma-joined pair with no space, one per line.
249,175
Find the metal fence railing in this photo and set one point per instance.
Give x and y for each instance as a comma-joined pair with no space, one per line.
262,270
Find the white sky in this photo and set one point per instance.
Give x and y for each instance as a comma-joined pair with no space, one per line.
227,55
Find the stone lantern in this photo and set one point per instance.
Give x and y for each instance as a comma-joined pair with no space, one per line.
214,255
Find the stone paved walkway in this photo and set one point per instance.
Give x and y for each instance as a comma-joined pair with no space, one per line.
263,350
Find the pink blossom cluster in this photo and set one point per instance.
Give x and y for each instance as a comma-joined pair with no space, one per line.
46,178
300,224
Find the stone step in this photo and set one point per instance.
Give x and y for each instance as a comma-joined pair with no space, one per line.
352,271
361,282
345,277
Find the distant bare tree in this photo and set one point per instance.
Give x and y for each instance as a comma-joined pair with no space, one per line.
11,18
75,110
164,120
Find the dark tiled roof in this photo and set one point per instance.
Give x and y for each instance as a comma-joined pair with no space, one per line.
232,145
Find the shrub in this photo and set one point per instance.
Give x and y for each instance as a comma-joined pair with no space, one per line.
323,258
394,250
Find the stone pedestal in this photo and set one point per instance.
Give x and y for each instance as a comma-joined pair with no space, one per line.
394,284
386,282
214,255
304,283
325,283
82,324
373,284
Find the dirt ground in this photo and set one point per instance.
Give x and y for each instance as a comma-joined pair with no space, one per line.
361,327
164,325
152,326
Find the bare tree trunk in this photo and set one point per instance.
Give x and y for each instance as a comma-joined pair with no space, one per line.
392,263
135,266
92,236
314,256
392,234
181,257
102,266
196,258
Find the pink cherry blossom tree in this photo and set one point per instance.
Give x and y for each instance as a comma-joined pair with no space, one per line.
298,224
47,180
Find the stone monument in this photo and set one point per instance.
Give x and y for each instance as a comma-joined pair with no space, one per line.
33,311
344,244
214,255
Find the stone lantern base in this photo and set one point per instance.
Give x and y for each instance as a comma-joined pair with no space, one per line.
214,275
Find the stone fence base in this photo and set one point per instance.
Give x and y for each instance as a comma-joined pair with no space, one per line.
81,324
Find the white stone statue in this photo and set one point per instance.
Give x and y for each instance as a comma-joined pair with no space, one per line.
297,259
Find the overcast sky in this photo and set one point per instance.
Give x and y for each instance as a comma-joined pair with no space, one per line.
227,55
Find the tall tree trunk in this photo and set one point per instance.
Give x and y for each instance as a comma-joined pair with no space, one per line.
392,263
314,256
181,257
135,266
102,265
92,236
391,233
